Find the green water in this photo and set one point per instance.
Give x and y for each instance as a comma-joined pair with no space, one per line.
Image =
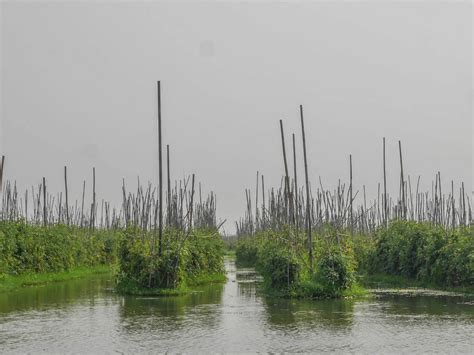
85,316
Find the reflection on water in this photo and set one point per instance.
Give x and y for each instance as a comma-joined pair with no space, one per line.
86,316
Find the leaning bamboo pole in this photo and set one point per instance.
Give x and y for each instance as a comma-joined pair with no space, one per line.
308,211
2,164
287,178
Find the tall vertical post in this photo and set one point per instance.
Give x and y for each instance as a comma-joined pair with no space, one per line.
191,205
308,207
66,193
263,202
93,199
45,216
351,198
2,164
296,185
82,205
160,177
169,183
256,203
287,178
402,182
385,209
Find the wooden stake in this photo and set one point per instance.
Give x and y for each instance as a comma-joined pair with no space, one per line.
45,217
308,207
385,208
295,177
66,195
287,179
160,177
1,172
350,189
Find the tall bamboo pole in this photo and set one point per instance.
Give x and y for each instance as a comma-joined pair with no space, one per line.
160,176
350,189
2,164
256,203
191,205
82,205
295,177
385,208
66,193
402,182
287,178
45,216
263,202
169,183
308,207
93,200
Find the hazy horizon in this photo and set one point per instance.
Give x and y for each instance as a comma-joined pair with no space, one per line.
79,89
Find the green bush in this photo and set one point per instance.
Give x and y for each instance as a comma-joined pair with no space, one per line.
455,262
278,264
184,259
246,251
282,260
34,249
336,269
426,253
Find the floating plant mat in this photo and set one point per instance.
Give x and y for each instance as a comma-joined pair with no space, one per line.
417,291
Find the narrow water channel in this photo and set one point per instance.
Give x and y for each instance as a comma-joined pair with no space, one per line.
85,316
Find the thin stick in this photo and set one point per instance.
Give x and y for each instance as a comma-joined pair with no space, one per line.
350,188
169,182
402,181
67,201
45,217
160,176
1,172
385,208
308,207
296,184
287,179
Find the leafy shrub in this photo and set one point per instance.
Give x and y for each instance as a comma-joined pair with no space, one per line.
184,258
246,252
336,269
31,249
425,252
278,264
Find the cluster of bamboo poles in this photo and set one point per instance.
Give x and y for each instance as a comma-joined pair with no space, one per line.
38,206
312,209
146,208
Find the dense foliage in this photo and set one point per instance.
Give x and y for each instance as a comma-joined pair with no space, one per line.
33,249
282,260
186,259
427,253
412,250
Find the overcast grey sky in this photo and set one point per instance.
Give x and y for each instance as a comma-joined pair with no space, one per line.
79,89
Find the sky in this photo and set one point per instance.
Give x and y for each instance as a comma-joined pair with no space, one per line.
78,88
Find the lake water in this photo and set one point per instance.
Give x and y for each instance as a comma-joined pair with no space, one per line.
85,316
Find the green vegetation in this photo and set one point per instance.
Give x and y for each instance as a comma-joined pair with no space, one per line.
426,253
35,255
27,249
404,254
188,259
283,263
11,283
